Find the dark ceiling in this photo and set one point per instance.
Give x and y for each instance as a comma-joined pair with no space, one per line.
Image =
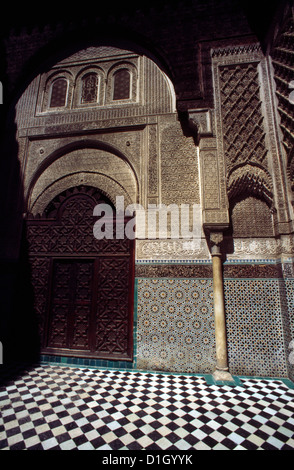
27,14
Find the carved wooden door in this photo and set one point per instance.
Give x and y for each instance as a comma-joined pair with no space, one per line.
83,286
70,304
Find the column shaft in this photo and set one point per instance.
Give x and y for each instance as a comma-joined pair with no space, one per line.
222,370
219,313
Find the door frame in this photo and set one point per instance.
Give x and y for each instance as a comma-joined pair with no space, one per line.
131,291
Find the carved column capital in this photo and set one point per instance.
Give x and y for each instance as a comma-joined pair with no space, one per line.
200,120
215,238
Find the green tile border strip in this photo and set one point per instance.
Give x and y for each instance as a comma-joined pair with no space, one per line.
124,366
129,366
288,382
86,363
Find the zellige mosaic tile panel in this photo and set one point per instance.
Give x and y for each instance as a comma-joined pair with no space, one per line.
254,327
176,325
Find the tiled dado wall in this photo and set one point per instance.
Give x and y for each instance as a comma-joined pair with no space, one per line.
175,325
259,318
175,322
289,327
255,327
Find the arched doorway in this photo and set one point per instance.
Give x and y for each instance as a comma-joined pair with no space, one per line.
83,286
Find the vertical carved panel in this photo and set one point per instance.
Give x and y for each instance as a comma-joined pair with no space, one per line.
283,59
60,305
112,307
179,168
40,280
83,273
243,123
244,135
153,163
211,178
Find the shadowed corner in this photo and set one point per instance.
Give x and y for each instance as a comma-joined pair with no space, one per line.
20,345
19,334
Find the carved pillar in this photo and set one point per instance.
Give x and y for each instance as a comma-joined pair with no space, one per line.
215,215
215,219
222,368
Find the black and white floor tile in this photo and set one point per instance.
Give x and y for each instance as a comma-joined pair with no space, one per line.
57,407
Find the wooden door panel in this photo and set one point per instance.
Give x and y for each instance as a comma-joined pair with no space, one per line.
70,304
84,301
60,304
113,319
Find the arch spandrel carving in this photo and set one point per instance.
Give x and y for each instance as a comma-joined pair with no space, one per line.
101,169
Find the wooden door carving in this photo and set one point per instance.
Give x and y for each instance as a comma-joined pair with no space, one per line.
83,286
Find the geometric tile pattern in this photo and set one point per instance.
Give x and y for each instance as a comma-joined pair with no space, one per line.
175,324
290,297
61,408
254,327
289,285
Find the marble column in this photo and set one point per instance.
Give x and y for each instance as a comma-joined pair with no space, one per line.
222,369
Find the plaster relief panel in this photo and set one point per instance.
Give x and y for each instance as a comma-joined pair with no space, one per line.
179,167
92,163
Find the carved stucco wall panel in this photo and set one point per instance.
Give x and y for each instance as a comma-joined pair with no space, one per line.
282,55
246,128
114,173
172,249
105,184
37,150
211,169
262,248
179,167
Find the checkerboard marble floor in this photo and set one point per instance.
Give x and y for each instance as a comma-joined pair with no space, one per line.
56,407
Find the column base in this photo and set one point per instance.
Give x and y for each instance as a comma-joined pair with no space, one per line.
222,376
